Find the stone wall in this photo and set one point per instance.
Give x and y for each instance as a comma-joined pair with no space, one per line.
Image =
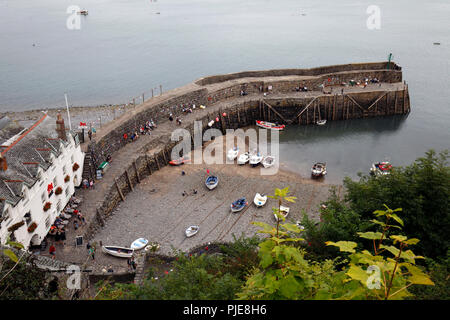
299,72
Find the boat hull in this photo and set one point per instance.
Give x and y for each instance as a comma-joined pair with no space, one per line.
124,253
269,125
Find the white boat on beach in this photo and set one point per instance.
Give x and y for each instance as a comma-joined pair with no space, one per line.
139,244
233,153
284,212
260,200
243,158
119,252
192,231
255,159
268,161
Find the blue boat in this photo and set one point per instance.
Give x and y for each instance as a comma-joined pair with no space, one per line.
211,182
238,205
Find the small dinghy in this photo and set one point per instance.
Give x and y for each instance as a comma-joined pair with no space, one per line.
284,212
380,168
139,244
243,158
318,170
270,125
179,161
238,205
210,124
233,153
268,161
83,12
260,200
255,159
120,252
211,182
192,231
321,122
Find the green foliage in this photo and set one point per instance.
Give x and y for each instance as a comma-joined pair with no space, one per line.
439,272
22,282
204,277
283,272
393,265
421,189
338,223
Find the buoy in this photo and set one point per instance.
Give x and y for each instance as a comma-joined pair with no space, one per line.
217,119
224,114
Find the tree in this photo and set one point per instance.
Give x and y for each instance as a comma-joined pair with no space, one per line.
421,189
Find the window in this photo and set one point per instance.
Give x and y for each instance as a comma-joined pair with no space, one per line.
58,206
64,170
55,182
44,196
67,191
47,222
6,215
27,217
72,159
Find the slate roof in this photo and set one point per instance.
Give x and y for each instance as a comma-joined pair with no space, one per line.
30,150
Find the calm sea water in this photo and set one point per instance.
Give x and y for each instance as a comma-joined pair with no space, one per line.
125,48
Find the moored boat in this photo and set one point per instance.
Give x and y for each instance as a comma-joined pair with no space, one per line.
238,205
270,125
380,168
83,12
233,153
211,182
243,158
318,170
119,252
268,161
192,231
260,200
139,244
178,162
284,211
321,122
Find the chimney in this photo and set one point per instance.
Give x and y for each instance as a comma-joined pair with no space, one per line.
3,163
60,128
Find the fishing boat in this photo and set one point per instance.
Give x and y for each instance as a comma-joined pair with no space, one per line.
233,153
139,244
260,200
192,231
268,161
380,168
284,212
178,162
318,170
243,158
255,159
211,182
238,205
83,12
270,125
120,252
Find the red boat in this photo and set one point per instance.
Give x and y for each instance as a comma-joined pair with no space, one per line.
179,161
269,125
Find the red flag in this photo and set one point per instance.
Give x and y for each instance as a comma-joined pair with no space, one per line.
82,124
207,171
50,187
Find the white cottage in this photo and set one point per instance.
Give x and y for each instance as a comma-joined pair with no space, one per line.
40,167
